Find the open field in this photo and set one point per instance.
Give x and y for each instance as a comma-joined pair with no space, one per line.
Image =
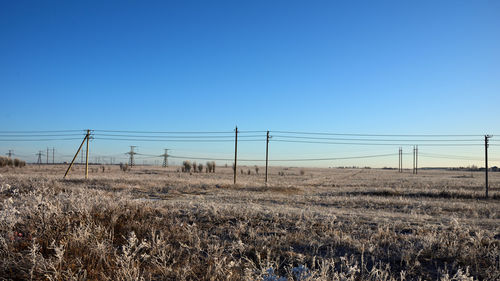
325,224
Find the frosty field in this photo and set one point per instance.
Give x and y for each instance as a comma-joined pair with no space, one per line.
154,223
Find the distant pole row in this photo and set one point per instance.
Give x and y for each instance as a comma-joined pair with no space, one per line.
235,165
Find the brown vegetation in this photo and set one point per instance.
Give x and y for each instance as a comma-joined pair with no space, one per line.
9,162
333,224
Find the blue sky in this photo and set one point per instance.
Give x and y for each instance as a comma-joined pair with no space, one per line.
372,67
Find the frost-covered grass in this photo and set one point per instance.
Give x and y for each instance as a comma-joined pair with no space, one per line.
327,224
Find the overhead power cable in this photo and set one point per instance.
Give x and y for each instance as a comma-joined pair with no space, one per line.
373,135
178,136
166,132
177,140
371,139
58,139
286,160
368,143
454,157
37,135
37,132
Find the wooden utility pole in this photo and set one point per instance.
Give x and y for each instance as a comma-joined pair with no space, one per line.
87,157
53,152
413,172
267,152
400,160
76,154
486,139
47,156
416,160
235,152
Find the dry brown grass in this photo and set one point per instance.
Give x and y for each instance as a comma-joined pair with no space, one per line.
325,224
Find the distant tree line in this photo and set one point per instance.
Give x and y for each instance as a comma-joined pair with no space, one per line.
475,168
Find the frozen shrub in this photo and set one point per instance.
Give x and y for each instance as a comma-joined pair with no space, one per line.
186,166
124,167
211,167
3,161
200,168
19,163
195,167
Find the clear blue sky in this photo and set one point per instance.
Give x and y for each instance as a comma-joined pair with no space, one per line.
383,67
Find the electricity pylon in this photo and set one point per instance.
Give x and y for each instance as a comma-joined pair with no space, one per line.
39,161
165,158
131,153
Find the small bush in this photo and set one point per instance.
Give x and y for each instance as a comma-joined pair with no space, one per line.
4,161
200,168
186,166
256,169
124,167
302,172
211,167
195,167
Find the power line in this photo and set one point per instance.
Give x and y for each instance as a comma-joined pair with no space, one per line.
285,160
372,135
364,139
38,135
166,132
367,143
35,132
336,158
58,139
455,157
177,140
175,136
